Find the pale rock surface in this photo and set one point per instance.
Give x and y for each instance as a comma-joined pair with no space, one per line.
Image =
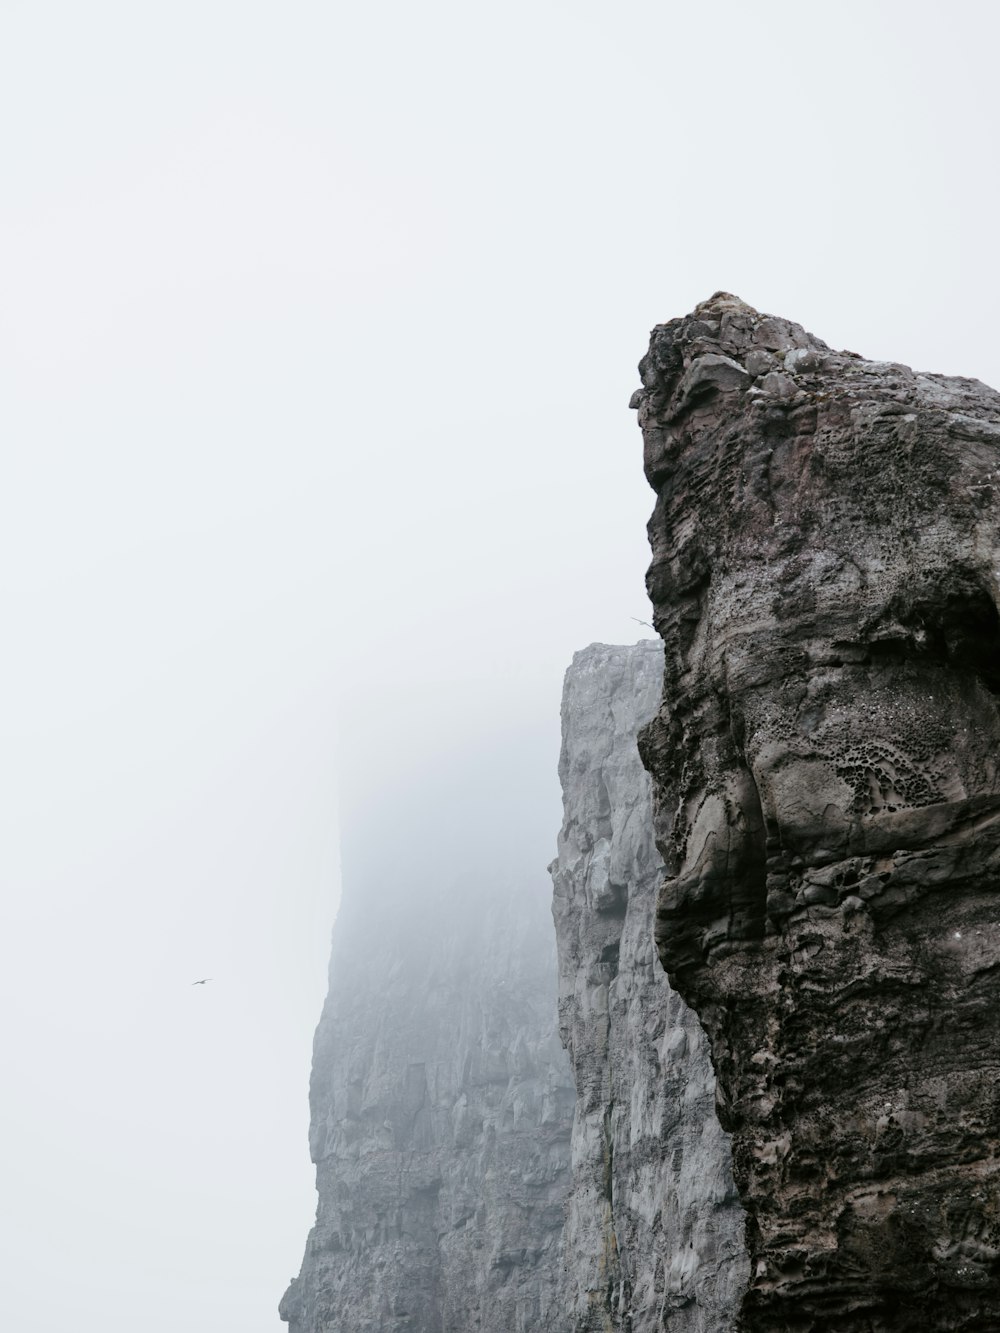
441,1112
654,1235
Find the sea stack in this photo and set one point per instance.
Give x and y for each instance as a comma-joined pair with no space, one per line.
826,557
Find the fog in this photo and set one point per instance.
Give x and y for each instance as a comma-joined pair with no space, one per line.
319,323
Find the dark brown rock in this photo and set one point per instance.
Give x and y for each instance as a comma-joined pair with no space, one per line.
825,571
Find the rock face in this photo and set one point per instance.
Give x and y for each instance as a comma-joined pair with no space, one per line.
827,800
654,1236
441,1111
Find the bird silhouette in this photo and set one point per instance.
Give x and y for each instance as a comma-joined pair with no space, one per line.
201,982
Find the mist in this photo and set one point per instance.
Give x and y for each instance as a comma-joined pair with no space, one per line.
319,327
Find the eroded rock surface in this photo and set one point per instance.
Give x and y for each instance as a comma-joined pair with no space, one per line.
441,1111
654,1235
825,762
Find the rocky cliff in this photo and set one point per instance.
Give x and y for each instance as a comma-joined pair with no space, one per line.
441,1109
450,1196
827,801
654,1236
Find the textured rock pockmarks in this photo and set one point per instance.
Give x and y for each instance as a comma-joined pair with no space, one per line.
469,1175
826,559
654,1233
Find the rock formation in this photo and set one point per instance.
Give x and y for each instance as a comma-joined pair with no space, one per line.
441,1111
442,1100
654,1236
827,801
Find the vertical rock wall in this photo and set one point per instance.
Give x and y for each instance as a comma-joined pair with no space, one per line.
441,1111
654,1234
825,578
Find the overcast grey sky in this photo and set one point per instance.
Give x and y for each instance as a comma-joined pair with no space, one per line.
318,326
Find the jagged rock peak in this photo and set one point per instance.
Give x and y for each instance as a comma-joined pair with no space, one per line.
654,1233
825,579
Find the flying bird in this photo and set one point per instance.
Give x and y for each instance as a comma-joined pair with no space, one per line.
201,982
642,622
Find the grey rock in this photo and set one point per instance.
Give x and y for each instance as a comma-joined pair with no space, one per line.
759,362
654,1235
778,385
441,1110
707,374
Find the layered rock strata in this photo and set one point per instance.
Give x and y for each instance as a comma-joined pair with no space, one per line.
441,1111
654,1235
827,800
